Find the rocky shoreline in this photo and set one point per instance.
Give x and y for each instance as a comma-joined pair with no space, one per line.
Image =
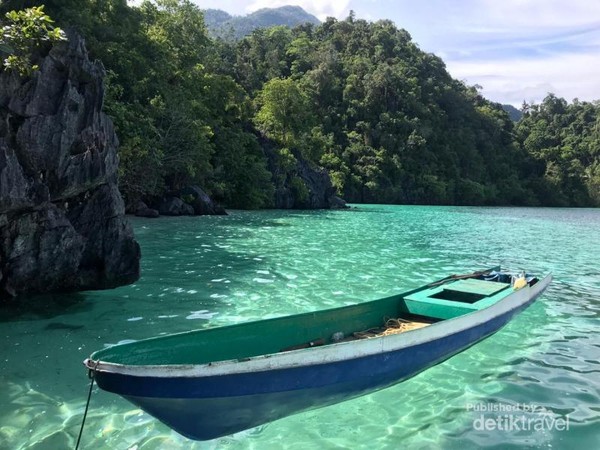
62,218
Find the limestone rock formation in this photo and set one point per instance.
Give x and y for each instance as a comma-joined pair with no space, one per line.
201,202
142,210
336,202
315,190
62,224
174,206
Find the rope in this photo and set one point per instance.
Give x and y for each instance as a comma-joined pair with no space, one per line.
392,326
87,405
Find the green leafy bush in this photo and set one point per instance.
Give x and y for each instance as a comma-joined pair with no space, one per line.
26,32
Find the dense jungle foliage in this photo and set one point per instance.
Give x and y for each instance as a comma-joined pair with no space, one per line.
358,98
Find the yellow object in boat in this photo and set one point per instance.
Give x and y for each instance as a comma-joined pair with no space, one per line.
520,283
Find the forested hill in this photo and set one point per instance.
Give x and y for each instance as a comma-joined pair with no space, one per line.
358,98
514,113
222,24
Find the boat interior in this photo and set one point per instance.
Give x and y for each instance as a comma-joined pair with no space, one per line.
443,300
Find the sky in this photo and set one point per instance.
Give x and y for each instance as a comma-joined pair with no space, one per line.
517,50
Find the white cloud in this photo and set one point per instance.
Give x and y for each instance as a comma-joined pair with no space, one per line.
517,49
321,9
515,80
538,13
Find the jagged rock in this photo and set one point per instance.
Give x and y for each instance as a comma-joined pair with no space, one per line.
142,210
304,187
149,213
62,225
319,186
201,201
336,202
173,206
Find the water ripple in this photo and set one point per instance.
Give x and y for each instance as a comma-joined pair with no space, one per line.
250,265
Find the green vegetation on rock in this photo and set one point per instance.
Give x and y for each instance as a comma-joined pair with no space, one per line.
25,33
563,141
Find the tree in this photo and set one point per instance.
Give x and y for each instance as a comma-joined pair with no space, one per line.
563,142
359,98
283,112
26,33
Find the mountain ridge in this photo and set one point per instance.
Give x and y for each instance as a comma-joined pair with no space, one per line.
224,25
514,113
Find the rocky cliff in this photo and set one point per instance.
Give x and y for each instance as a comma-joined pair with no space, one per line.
62,225
304,186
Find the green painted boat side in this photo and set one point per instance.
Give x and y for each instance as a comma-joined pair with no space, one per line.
437,309
475,286
250,339
425,303
246,340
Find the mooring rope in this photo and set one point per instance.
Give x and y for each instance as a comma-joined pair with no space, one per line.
87,405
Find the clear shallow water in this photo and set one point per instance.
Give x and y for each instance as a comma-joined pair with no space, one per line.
208,271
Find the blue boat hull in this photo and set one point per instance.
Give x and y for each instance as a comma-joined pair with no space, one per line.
210,407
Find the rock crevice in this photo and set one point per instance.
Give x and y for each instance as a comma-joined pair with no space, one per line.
62,223
305,186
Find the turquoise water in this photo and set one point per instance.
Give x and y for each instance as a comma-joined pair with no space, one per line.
207,271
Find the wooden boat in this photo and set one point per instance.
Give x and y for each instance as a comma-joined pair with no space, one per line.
212,382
